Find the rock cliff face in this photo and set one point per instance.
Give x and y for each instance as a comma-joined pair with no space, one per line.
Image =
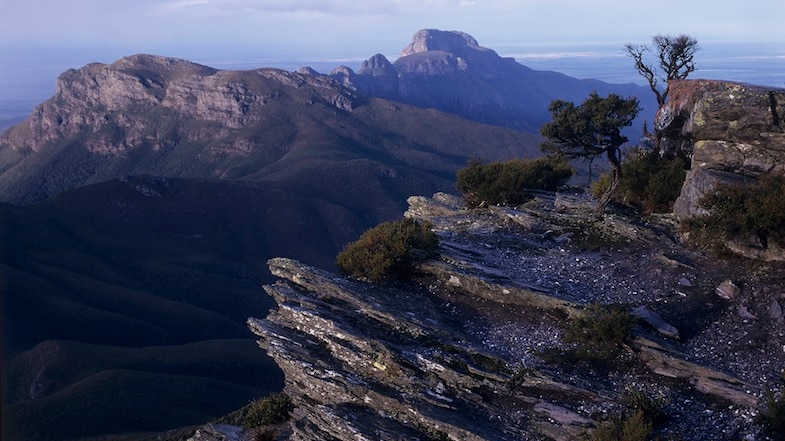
159,116
459,351
450,71
110,105
733,132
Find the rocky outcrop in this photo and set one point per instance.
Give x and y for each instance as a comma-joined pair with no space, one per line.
455,42
459,351
151,115
733,132
109,106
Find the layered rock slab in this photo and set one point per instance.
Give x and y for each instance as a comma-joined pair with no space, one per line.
457,352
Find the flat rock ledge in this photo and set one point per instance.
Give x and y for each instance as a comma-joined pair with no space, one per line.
457,352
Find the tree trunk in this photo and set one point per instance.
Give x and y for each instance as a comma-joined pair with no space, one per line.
606,197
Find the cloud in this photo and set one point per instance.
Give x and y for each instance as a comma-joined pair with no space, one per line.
299,7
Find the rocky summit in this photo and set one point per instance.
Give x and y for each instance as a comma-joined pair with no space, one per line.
475,345
733,133
465,348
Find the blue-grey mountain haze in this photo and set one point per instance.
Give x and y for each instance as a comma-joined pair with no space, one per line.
39,39
28,77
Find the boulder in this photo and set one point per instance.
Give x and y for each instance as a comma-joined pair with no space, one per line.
733,132
655,321
728,290
775,311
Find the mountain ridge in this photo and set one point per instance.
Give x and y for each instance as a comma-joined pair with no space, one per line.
157,181
120,119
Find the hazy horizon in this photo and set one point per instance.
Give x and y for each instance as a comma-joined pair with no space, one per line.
28,76
39,39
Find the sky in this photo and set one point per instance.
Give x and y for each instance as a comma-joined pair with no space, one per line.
41,38
340,27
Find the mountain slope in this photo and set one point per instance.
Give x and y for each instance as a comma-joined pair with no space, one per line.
164,117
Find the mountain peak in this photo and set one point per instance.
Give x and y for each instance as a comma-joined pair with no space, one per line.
448,41
376,65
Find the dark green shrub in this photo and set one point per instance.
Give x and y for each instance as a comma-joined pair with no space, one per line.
621,427
270,410
386,248
597,324
600,330
652,408
744,211
265,434
650,182
598,334
506,183
773,417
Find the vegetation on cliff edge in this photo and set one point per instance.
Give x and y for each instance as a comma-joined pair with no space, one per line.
506,183
754,211
651,181
386,248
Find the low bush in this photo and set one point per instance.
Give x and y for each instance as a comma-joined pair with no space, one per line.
598,334
772,418
599,325
265,434
633,427
270,410
650,182
600,330
387,248
506,183
755,210
651,407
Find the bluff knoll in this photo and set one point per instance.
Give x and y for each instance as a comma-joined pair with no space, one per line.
450,71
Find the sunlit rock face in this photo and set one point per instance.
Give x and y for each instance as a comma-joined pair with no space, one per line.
734,132
130,103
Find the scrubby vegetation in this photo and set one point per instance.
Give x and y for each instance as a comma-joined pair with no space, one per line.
601,330
273,409
600,325
265,434
387,248
598,334
773,417
625,427
635,421
506,183
755,210
651,182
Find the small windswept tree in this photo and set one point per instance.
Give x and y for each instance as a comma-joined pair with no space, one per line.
675,59
591,129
